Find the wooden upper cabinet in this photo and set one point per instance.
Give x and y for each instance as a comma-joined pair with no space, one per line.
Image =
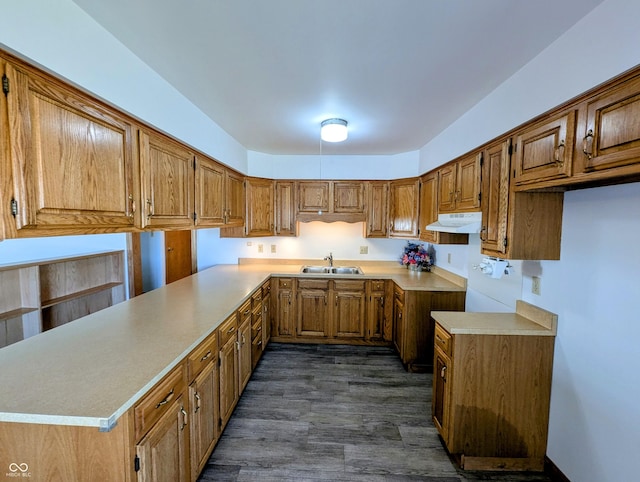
313,197
260,204
403,208
495,198
72,159
459,185
609,129
209,193
544,150
348,197
429,213
377,208
285,209
235,199
167,175
331,201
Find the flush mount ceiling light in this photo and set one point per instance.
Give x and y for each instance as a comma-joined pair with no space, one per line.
333,130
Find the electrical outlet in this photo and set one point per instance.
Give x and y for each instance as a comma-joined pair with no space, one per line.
535,285
364,249
273,248
260,248
249,243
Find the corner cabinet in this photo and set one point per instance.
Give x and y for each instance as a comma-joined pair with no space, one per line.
403,208
72,159
259,214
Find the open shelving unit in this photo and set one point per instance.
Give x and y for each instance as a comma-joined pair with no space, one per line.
41,295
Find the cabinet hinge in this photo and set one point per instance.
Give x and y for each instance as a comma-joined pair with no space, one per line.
194,163
14,208
136,464
479,197
511,149
504,242
195,216
481,160
5,84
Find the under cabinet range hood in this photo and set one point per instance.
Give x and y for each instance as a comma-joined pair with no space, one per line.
457,223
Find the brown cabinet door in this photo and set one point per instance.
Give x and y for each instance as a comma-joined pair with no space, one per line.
284,323
163,451
398,324
229,390
235,200
348,197
244,355
209,193
610,129
428,206
205,416
377,210
167,171
349,309
313,311
313,197
376,316
544,151
72,158
285,215
440,398
403,208
495,198
467,195
260,204
447,188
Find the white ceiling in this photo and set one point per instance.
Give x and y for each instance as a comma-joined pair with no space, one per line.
399,71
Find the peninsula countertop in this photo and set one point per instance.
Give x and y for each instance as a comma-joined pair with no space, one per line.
92,370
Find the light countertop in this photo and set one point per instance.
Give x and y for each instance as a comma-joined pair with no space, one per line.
527,320
92,370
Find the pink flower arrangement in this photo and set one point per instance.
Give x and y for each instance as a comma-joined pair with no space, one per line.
416,254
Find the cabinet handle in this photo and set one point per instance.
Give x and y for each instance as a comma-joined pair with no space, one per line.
246,312
231,330
166,399
197,397
557,155
382,301
443,373
585,142
259,328
149,208
243,340
184,418
132,206
238,345
205,356
440,340
259,343
483,230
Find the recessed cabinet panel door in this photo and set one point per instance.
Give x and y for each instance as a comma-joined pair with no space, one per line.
447,186
167,182
377,210
313,197
285,215
468,184
235,200
349,314
545,151
495,198
313,313
72,159
611,135
210,194
348,197
260,195
403,215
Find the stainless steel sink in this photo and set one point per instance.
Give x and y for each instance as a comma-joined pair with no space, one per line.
346,270
316,269
331,270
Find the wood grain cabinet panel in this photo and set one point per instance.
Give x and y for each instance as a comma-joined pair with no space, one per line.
229,368
459,185
429,213
284,324
167,175
210,203
609,129
312,301
285,208
205,416
403,208
331,201
377,208
313,197
544,150
72,159
349,197
349,309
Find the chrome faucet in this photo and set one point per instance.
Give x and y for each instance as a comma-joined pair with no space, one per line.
330,259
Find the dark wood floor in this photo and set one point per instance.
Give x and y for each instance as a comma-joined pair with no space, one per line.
336,413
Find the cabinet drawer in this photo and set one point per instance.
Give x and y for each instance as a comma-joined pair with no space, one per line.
244,310
256,297
377,285
398,293
349,285
442,339
285,283
227,330
149,410
313,284
256,328
203,354
266,288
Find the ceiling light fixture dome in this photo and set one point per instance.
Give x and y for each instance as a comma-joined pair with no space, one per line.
333,130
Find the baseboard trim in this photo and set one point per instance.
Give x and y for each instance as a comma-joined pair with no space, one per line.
553,471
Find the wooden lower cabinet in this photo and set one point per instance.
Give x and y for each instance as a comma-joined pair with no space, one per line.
349,309
229,390
163,452
205,416
491,398
312,300
413,326
284,320
378,322
244,354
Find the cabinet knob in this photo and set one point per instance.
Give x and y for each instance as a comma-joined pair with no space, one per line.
587,144
557,155
443,373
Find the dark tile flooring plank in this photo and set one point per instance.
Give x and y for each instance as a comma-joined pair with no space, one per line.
336,413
